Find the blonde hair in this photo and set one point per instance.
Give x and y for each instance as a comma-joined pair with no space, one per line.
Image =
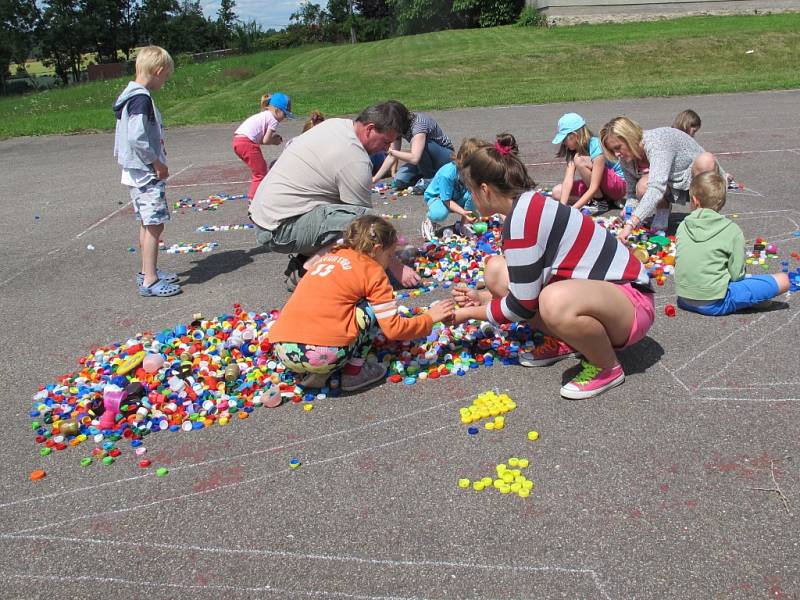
265,100
499,167
366,232
314,119
151,58
584,135
468,146
710,189
630,132
686,121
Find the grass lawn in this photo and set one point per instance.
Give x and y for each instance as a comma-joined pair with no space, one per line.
478,67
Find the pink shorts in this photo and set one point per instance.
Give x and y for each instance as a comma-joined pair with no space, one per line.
644,313
612,186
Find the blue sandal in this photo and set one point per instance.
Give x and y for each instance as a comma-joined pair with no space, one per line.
164,276
160,288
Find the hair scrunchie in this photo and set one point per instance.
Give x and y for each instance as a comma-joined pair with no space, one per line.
502,149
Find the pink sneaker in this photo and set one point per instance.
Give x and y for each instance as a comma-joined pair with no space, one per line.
592,381
551,351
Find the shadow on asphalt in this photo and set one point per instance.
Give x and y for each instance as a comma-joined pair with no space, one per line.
208,267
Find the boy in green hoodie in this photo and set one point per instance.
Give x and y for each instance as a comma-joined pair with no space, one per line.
709,267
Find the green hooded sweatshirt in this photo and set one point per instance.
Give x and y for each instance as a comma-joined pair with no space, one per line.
710,254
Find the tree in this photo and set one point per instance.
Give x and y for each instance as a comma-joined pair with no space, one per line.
226,20
61,38
189,30
488,13
308,22
17,23
422,16
108,26
153,21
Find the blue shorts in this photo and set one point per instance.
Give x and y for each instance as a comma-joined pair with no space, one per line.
150,203
747,292
438,211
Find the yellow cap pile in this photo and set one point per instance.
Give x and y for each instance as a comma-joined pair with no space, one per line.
488,405
509,479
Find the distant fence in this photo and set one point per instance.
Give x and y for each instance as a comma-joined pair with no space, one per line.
643,8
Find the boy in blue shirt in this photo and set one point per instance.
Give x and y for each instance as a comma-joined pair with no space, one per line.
139,148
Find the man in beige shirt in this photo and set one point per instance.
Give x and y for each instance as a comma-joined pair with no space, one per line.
321,183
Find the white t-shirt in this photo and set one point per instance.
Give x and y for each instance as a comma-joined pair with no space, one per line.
325,165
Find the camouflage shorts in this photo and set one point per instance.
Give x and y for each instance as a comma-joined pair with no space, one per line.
150,203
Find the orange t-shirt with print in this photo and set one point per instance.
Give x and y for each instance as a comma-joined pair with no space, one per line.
322,309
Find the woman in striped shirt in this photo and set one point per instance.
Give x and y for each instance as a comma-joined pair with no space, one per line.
561,271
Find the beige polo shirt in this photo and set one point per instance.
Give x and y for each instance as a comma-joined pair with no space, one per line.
325,165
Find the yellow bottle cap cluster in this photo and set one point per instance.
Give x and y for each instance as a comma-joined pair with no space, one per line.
507,480
488,405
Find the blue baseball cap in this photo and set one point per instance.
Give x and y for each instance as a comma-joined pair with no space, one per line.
282,101
567,124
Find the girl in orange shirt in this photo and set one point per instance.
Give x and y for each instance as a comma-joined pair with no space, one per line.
330,319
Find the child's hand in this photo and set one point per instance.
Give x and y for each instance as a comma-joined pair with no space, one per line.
162,171
276,139
442,311
464,296
459,317
470,217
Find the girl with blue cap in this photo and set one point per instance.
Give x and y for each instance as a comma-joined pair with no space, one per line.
261,129
590,180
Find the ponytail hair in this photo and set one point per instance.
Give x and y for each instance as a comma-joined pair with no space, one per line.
314,119
507,140
498,166
265,100
366,232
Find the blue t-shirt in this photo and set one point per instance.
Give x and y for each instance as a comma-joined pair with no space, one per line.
596,149
447,185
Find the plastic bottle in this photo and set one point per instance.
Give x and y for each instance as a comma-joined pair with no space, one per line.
630,206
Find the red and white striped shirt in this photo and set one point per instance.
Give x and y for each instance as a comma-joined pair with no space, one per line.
546,241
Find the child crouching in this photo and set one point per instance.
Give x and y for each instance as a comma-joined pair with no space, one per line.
329,321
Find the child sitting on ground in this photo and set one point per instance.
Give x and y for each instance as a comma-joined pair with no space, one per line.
599,181
139,148
447,193
709,261
329,321
261,128
560,271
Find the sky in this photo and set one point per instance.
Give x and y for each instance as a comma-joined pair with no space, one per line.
270,14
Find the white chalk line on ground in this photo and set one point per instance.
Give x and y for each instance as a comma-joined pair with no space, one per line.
123,207
185,586
728,399
753,386
335,558
717,343
77,237
236,457
745,350
217,183
306,464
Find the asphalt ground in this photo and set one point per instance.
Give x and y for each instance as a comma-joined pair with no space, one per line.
670,486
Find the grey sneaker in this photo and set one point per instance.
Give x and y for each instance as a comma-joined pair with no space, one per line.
314,380
427,229
369,374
